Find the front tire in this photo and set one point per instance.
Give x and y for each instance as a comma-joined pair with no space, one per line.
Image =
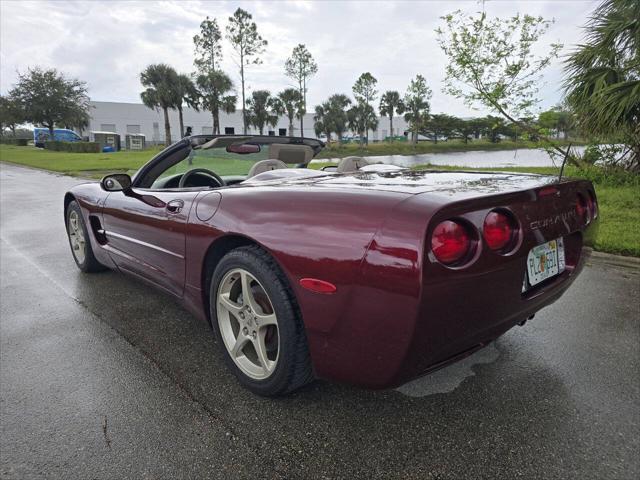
79,241
257,320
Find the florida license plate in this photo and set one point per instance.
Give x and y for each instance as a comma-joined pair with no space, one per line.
545,261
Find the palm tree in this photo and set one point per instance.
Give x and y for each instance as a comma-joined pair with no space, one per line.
186,93
390,103
214,88
337,105
603,76
160,81
260,109
322,121
289,104
362,118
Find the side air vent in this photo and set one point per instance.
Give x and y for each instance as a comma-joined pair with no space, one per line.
97,230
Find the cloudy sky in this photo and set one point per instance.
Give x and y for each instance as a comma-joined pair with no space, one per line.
107,44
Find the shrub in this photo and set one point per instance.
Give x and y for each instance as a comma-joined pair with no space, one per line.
74,147
611,176
19,142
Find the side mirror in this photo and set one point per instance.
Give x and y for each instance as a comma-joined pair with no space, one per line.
116,182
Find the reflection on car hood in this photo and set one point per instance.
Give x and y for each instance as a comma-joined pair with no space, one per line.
443,183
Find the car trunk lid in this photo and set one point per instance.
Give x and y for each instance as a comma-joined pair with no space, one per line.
448,185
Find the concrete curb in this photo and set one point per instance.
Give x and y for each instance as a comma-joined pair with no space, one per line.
615,260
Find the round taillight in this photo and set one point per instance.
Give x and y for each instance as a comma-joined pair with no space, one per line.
499,230
582,209
450,242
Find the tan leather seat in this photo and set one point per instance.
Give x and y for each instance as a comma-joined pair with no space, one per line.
291,154
264,166
351,164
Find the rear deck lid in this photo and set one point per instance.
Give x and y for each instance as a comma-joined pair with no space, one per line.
451,185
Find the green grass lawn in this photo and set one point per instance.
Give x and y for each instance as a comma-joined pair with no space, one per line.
619,220
618,194
97,165
92,165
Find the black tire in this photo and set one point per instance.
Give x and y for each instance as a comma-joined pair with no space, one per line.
90,264
293,369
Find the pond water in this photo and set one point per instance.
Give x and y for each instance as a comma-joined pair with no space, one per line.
530,157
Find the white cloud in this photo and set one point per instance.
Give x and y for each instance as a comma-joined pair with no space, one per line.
107,44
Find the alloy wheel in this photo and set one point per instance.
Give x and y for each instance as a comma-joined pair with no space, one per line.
248,324
76,236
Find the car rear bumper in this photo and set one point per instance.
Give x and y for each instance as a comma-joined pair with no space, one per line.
477,320
451,320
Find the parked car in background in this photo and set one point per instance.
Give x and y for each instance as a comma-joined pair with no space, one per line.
41,135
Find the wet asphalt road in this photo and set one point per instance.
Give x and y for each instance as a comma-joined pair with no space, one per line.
104,377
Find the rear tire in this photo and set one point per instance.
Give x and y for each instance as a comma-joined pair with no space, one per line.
79,240
261,332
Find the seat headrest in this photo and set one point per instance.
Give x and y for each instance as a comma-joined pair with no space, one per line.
351,164
292,154
265,166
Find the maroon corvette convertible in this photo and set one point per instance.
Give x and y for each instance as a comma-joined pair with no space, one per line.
361,273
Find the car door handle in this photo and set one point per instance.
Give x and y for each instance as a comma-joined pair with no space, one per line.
175,206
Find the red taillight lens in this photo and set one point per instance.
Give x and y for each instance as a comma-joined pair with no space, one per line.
498,230
450,242
582,209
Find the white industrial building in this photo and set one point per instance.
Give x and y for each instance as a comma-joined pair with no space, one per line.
123,118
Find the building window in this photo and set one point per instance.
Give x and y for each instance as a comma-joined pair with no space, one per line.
133,128
282,132
108,127
272,133
207,130
229,131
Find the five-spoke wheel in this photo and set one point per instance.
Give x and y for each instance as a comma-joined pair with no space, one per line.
248,324
79,240
255,315
76,236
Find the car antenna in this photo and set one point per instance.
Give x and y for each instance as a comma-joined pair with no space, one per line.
564,161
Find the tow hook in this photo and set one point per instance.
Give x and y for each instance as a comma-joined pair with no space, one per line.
526,320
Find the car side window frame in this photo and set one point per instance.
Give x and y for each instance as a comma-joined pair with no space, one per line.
151,171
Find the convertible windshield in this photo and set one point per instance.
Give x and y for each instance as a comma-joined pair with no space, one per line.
193,162
217,160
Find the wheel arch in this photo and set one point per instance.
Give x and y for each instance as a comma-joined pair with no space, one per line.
216,251
68,198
